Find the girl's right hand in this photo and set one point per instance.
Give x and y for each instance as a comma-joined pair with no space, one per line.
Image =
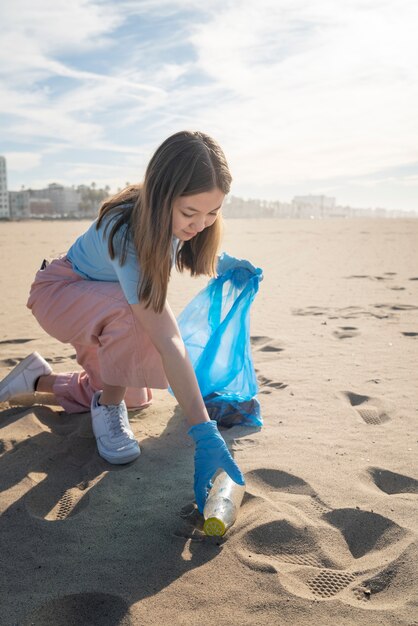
210,455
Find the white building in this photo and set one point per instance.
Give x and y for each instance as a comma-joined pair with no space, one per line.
64,200
19,203
4,196
313,206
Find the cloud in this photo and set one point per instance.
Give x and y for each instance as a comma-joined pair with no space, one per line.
33,37
336,95
22,161
296,92
57,27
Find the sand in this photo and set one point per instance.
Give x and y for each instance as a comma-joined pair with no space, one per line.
327,533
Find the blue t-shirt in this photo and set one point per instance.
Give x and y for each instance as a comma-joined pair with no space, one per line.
89,256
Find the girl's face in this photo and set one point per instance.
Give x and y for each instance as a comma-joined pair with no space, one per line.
192,214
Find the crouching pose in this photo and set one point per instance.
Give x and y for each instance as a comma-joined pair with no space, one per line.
108,298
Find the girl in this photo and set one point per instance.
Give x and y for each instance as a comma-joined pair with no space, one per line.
107,297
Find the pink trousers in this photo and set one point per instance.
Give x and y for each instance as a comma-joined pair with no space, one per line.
110,344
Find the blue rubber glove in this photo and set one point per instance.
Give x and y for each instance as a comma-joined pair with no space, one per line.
210,455
240,268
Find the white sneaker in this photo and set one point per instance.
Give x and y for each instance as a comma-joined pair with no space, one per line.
23,377
115,440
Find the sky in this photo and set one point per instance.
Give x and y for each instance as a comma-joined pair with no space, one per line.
304,96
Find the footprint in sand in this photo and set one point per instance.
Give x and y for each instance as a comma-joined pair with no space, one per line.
310,310
259,340
364,531
50,501
273,346
346,332
56,359
243,444
350,312
10,362
267,385
14,341
61,484
345,313
386,276
266,479
336,556
300,555
391,586
276,482
283,547
283,541
391,482
266,348
90,608
396,307
374,585
329,582
371,410
70,503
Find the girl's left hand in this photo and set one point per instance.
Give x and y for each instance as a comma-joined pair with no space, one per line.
210,455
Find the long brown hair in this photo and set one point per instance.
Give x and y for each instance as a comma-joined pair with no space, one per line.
186,163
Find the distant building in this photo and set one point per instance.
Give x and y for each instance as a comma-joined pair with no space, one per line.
19,202
4,196
55,200
283,210
239,208
41,207
313,206
64,200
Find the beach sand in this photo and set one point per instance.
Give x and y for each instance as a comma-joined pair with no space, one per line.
327,533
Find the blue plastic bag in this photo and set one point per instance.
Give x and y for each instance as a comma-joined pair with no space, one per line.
215,327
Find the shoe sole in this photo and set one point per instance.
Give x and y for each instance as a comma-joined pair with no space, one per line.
118,460
18,369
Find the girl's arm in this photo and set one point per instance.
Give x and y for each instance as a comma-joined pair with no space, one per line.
211,452
164,333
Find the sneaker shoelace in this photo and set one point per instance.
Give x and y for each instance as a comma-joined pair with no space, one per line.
115,420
